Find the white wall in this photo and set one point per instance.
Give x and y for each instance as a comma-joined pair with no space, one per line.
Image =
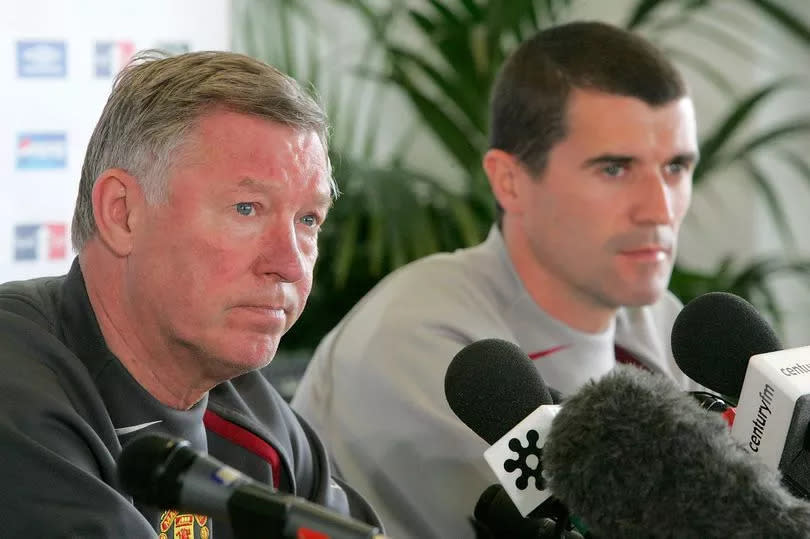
57,58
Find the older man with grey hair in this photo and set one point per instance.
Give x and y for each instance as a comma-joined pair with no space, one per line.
204,187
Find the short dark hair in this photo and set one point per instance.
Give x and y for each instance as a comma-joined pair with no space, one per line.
530,95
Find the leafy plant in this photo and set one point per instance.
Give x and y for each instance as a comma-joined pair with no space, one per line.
468,41
441,57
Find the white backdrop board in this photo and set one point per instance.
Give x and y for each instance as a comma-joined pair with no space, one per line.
57,62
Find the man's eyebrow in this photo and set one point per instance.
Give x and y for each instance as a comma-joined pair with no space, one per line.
322,200
325,201
250,184
687,158
619,159
608,159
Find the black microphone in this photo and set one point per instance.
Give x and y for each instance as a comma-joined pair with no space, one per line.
713,338
496,517
492,385
494,388
634,456
168,473
722,342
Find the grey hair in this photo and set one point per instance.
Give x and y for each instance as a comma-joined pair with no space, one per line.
157,100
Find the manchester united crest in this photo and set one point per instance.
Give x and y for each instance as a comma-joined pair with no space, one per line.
176,525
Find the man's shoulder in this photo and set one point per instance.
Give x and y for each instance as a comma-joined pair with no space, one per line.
462,263
46,387
448,280
34,299
28,317
444,300
34,356
441,293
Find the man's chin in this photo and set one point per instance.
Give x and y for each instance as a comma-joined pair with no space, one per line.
635,294
645,289
641,298
251,356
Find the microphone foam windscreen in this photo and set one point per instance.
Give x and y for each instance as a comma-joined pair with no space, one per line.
492,385
715,335
634,456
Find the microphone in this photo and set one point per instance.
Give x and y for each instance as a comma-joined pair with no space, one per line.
496,517
493,387
715,403
168,473
715,335
633,456
713,338
721,341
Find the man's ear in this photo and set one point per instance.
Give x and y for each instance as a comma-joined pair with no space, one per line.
504,172
118,203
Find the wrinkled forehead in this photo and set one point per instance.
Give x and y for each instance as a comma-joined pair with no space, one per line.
235,146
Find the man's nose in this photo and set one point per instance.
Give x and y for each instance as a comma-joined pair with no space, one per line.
653,200
281,254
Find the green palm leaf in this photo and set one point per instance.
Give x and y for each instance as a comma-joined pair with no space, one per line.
723,134
764,184
787,19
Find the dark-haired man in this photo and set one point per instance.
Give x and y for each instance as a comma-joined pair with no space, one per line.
592,148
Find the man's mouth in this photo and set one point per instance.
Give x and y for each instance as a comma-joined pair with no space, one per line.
648,253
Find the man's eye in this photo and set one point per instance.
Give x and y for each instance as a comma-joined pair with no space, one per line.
614,170
245,208
675,168
309,220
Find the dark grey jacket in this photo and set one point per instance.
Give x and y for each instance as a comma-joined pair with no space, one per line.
67,406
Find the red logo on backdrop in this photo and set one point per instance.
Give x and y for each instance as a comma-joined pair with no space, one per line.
111,56
37,242
57,241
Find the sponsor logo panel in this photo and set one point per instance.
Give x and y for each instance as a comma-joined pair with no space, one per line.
41,150
41,59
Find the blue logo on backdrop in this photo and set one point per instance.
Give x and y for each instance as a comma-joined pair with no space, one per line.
41,59
26,242
41,151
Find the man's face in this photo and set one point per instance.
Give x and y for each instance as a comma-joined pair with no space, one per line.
222,271
603,218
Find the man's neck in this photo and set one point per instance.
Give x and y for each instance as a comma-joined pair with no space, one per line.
150,363
557,298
